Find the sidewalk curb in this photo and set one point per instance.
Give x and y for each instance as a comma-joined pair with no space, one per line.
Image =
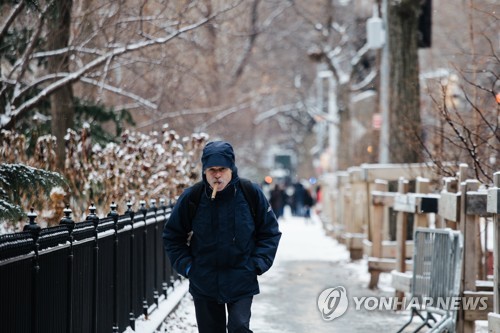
165,308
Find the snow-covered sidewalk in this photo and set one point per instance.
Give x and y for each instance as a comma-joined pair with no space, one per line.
307,263
301,241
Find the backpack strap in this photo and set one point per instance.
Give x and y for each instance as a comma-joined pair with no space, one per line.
250,196
194,199
247,188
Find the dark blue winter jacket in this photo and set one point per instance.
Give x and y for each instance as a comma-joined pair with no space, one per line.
227,249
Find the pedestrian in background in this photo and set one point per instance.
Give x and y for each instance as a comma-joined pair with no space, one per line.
308,204
278,199
225,245
298,199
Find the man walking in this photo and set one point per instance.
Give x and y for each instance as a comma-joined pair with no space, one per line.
221,234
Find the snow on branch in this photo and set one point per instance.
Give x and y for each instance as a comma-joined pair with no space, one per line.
100,60
222,115
368,79
182,113
121,92
275,111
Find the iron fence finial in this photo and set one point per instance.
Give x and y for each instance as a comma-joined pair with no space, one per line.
93,216
67,220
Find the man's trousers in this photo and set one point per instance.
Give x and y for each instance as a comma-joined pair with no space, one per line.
211,316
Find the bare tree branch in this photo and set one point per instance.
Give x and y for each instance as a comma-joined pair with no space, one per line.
74,76
368,79
12,16
32,43
221,116
189,112
277,110
250,42
142,101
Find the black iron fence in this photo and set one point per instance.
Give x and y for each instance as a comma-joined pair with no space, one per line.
95,276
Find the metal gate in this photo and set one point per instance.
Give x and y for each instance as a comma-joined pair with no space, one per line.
437,264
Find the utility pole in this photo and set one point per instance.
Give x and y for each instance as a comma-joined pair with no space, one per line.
383,91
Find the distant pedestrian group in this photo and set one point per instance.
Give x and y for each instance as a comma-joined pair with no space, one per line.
299,197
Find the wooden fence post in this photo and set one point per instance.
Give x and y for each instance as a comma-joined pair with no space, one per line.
493,206
448,193
401,233
467,227
354,221
377,230
421,219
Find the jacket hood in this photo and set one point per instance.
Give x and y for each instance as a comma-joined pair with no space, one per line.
219,154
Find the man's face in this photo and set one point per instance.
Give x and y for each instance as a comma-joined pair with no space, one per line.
218,175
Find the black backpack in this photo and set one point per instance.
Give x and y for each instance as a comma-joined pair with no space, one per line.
249,192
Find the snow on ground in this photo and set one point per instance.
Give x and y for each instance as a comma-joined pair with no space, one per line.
302,240
305,240
165,307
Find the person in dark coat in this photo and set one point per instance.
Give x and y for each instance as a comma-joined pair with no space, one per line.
278,199
308,203
227,249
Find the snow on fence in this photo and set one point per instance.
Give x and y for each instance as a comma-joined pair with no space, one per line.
99,275
359,207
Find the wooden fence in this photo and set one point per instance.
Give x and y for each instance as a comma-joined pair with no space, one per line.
376,222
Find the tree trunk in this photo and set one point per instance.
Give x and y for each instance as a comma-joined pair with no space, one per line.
345,131
62,109
404,90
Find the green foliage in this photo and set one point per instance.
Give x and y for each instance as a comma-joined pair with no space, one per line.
14,44
18,181
37,122
10,211
96,115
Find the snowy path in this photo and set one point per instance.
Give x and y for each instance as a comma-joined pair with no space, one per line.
307,263
300,242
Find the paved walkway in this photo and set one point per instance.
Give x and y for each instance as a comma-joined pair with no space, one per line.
307,263
310,264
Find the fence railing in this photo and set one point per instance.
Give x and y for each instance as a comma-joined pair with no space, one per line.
95,276
384,232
